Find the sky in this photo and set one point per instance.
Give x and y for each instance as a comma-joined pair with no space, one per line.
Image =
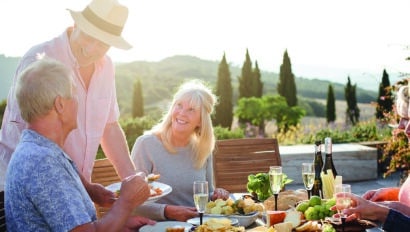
325,39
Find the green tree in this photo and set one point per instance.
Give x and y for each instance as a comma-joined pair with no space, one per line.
223,110
352,111
330,105
287,86
257,84
246,78
137,100
258,110
384,100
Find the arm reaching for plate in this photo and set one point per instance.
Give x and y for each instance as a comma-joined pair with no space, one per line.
382,194
180,213
391,219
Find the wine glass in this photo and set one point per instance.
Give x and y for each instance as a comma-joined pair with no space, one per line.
308,176
201,197
342,201
275,178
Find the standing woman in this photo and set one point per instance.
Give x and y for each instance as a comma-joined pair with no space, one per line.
179,148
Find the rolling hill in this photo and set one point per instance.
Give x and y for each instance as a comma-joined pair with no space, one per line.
160,79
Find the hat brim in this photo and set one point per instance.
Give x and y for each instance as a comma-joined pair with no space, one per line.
90,29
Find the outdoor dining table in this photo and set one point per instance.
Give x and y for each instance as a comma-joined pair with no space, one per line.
261,222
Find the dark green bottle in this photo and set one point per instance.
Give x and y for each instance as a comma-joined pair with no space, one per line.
318,163
329,159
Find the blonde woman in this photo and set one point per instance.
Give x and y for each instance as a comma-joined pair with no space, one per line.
179,148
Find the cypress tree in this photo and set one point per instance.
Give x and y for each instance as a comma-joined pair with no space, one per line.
223,110
257,82
245,80
287,86
330,105
385,99
137,100
352,111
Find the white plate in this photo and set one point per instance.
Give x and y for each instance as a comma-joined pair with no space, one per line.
166,189
162,226
195,221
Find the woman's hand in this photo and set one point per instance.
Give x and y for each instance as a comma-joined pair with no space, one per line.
180,213
220,193
364,209
382,194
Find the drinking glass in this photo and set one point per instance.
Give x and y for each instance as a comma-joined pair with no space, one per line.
275,178
201,194
308,176
342,201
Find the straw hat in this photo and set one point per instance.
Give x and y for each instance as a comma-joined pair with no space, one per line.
103,20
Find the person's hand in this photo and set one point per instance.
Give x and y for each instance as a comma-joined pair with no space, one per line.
220,193
100,195
382,194
134,189
364,209
134,223
180,213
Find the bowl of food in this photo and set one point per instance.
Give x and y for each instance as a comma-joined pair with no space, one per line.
245,211
246,219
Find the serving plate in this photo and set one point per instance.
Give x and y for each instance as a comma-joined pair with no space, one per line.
166,189
243,219
162,226
195,221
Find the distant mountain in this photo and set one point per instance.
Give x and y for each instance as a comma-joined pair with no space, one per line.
160,79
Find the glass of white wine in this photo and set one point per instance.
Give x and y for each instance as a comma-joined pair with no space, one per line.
275,178
308,176
342,200
201,194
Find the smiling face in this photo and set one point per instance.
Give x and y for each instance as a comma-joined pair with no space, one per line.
86,49
185,118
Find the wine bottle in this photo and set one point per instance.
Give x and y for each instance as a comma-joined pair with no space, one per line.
329,159
318,163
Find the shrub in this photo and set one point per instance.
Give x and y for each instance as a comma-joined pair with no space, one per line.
224,133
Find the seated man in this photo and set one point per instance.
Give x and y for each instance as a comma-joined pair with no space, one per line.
43,190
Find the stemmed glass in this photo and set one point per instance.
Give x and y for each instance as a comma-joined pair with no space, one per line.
342,201
308,176
275,178
201,194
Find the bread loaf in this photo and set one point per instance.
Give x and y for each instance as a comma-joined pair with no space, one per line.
286,199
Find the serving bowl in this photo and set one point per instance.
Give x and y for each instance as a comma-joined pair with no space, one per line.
245,220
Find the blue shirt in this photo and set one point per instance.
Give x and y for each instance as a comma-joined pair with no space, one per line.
396,222
43,189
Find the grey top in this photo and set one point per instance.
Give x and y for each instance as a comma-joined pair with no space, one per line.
176,170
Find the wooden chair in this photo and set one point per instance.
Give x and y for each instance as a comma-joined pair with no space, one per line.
235,159
103,173
2,213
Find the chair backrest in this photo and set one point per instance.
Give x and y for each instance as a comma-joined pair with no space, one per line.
2,213
103,173
235,159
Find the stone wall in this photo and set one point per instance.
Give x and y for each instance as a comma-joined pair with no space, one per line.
355,162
